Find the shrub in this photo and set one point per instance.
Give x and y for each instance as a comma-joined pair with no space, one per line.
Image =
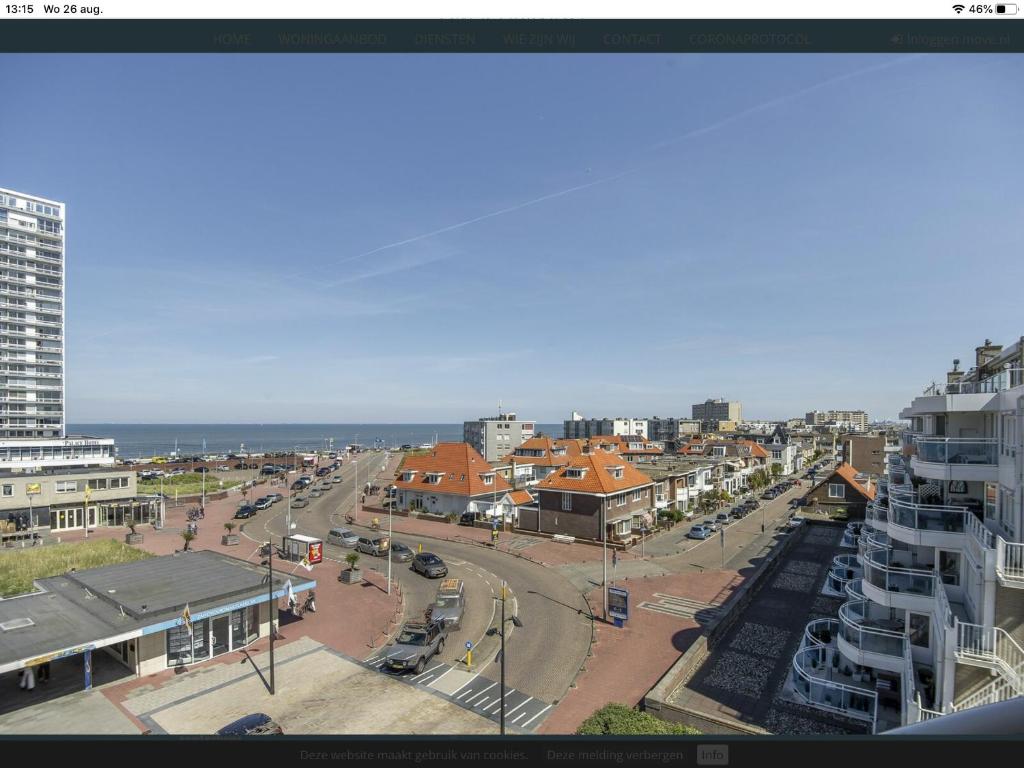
229,527
352,558
620,719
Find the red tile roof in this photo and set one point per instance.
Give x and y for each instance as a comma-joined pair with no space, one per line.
461,468
521,497
548,445
756,449
597,477
848,473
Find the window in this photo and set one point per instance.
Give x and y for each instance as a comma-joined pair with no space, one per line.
488,479
836,491
99,484
621,499
638,494
949,567
66,486
919,629
8,490
567,502
574,473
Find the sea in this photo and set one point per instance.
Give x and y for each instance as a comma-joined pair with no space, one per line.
144,440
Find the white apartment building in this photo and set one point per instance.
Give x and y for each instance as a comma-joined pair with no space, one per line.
495,437
934,621
855,421
580,428
32,352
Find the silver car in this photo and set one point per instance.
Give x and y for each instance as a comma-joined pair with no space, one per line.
342,537
450,603
415,645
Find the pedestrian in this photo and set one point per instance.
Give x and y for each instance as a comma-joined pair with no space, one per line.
28,679
44,672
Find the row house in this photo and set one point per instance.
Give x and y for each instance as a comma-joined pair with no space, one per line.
597,496
632,448
445,480
543,455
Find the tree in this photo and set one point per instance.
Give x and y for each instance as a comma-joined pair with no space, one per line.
352,558
776,470
619,719
229,527
188,536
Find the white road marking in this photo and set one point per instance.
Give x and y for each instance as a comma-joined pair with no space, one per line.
537,715
441,675
468,683
481,693
520,706
517,717
426,672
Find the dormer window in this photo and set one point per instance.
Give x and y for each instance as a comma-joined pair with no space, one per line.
408,476
558,451
488,479
434,477
574,472
616,472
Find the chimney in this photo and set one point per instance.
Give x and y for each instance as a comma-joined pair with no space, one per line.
954,375
986,353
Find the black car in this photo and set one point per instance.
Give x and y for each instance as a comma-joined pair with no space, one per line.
202,470
258,724
323,471
298,485
468,518
245,511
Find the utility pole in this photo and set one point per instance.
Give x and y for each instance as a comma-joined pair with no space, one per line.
272,605
604,555
390,507
503,590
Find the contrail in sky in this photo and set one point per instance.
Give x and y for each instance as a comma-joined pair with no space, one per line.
608,179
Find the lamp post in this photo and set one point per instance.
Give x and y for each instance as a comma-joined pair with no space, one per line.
272,607
389,548
604,555
501,654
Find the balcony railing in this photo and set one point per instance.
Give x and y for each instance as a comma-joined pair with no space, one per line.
895,579
991,647
958,450
928,517
1010,562
814,667
871,628
854,589
1003,380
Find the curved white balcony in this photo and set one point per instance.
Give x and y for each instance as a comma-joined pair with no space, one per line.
820,680
872,635
930,525
869,541
851,535
877,513
845,568
889,582
956,458
854,589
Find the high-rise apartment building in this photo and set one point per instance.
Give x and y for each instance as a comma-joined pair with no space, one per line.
495,437
32,351
856,421
717,410
933,621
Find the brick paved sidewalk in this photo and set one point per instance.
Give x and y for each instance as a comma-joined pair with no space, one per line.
627,662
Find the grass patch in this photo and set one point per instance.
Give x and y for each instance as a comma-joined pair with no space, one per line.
187,485
19,568
620,719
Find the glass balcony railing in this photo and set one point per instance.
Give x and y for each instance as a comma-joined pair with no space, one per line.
819,677
896,579
871,628
958,450
927,517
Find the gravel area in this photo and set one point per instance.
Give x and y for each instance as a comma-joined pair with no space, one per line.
793,582
739,673
784,723
760,639
818,535
802,567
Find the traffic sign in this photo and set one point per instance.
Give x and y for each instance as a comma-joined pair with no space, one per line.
469,645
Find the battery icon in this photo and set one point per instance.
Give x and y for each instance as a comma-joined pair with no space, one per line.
1008,9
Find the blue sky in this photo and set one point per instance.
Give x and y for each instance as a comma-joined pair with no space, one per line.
383,238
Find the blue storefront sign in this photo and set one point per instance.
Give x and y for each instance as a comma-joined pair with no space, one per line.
618,604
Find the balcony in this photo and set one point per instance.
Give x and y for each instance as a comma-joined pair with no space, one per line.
992,648
845,568
851,535
823,680
956,458
872,635
870,541
890,580
929,525
1010,563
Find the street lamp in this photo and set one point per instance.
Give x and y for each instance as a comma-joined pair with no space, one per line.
269,562
501,654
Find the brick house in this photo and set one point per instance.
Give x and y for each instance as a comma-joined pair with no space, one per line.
841,490
592,487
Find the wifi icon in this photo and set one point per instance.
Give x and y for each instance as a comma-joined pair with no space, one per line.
958,8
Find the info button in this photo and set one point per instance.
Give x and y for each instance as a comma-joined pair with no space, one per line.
713,754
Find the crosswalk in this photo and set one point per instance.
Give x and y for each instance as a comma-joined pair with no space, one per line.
683,607
520,543
474,692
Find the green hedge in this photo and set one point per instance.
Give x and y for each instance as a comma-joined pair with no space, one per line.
619,719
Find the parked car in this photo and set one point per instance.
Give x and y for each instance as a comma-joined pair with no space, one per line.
223,468
336,479
298,485
263,503
325,485
378,546
298,502
202,470
323,471
316,493
257,724
415,645
711,524
400,553
430,565
245,511
698,532
275,497
467,518
306,480
342,537
723,518
796,521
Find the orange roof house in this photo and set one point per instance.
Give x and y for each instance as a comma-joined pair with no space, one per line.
450,468
599,472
